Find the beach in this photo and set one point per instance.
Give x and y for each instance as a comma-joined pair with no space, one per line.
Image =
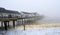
40,27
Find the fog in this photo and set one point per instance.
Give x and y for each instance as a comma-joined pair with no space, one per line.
49,8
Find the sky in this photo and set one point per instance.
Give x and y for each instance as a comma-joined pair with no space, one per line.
48,8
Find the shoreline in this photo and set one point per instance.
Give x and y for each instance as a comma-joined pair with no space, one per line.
38,26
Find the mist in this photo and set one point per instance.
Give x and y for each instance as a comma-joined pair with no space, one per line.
48,8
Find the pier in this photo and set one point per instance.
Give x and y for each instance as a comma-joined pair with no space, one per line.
9,15
6,21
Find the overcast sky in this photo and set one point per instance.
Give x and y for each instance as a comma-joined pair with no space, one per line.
50,8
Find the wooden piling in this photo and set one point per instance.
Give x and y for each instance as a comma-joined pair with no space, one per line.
24,26
5,25
8,23
14,23
1,23
23,23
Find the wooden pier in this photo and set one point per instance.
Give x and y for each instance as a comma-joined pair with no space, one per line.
9,15
6,21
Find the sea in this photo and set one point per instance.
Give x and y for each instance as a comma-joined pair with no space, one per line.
36,31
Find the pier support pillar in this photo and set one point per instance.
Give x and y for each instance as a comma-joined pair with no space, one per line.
8,23
1,23
24,26
13,23
23,23
5,25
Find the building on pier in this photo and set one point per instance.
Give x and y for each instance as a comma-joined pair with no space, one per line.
33,15
8,13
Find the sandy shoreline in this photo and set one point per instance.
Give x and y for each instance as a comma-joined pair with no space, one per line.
39,26
42,24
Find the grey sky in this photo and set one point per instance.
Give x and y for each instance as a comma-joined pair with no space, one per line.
50,8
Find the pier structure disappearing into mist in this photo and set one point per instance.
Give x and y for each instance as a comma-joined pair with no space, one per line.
9,15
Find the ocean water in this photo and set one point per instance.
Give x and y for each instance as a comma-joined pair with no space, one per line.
36,31
52,20
49,20
40,31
